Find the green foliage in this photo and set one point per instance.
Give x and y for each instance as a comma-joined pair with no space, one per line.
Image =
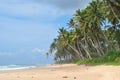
93,31
111,57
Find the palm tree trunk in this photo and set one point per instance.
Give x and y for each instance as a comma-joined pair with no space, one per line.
114,13
82,57
95,47
86,44
74,50
87,52
70,54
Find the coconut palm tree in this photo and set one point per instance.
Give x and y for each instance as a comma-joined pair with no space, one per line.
89,22
87,38
113,8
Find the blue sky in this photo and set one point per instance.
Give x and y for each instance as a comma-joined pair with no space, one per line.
27,27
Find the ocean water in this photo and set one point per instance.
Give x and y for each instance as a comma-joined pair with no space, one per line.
17,67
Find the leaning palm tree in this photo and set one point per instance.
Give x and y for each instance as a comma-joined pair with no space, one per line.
87,38
113,16
113,8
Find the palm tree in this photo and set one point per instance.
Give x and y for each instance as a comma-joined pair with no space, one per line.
87,38
90,21
113,7
113,10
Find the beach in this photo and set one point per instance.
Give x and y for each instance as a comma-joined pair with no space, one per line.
64,72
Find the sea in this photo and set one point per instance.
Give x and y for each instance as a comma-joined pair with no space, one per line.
18,67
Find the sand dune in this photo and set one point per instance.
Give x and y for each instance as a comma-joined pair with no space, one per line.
64,72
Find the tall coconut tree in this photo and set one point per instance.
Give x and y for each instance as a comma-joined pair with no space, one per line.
113,7
113,16
90,21
87,38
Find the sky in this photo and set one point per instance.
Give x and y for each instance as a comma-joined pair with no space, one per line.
28,27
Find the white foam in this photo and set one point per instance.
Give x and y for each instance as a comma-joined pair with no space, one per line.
14,67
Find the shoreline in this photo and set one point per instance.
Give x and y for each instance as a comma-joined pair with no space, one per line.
64,72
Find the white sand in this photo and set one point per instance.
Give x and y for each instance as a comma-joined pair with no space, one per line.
64,72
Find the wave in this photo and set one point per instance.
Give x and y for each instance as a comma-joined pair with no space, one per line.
16,67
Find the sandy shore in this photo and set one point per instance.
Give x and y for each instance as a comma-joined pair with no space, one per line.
64,72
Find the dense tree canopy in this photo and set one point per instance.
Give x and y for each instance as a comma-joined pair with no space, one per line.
94,31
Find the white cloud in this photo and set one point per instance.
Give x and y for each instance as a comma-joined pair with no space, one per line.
38,32
28,9
13,53
49,8
66,6
39,50
6,53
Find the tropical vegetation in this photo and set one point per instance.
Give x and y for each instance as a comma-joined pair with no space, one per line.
92,33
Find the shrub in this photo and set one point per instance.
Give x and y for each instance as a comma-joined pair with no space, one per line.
112,56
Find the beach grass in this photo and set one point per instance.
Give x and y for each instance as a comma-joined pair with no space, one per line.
112,57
